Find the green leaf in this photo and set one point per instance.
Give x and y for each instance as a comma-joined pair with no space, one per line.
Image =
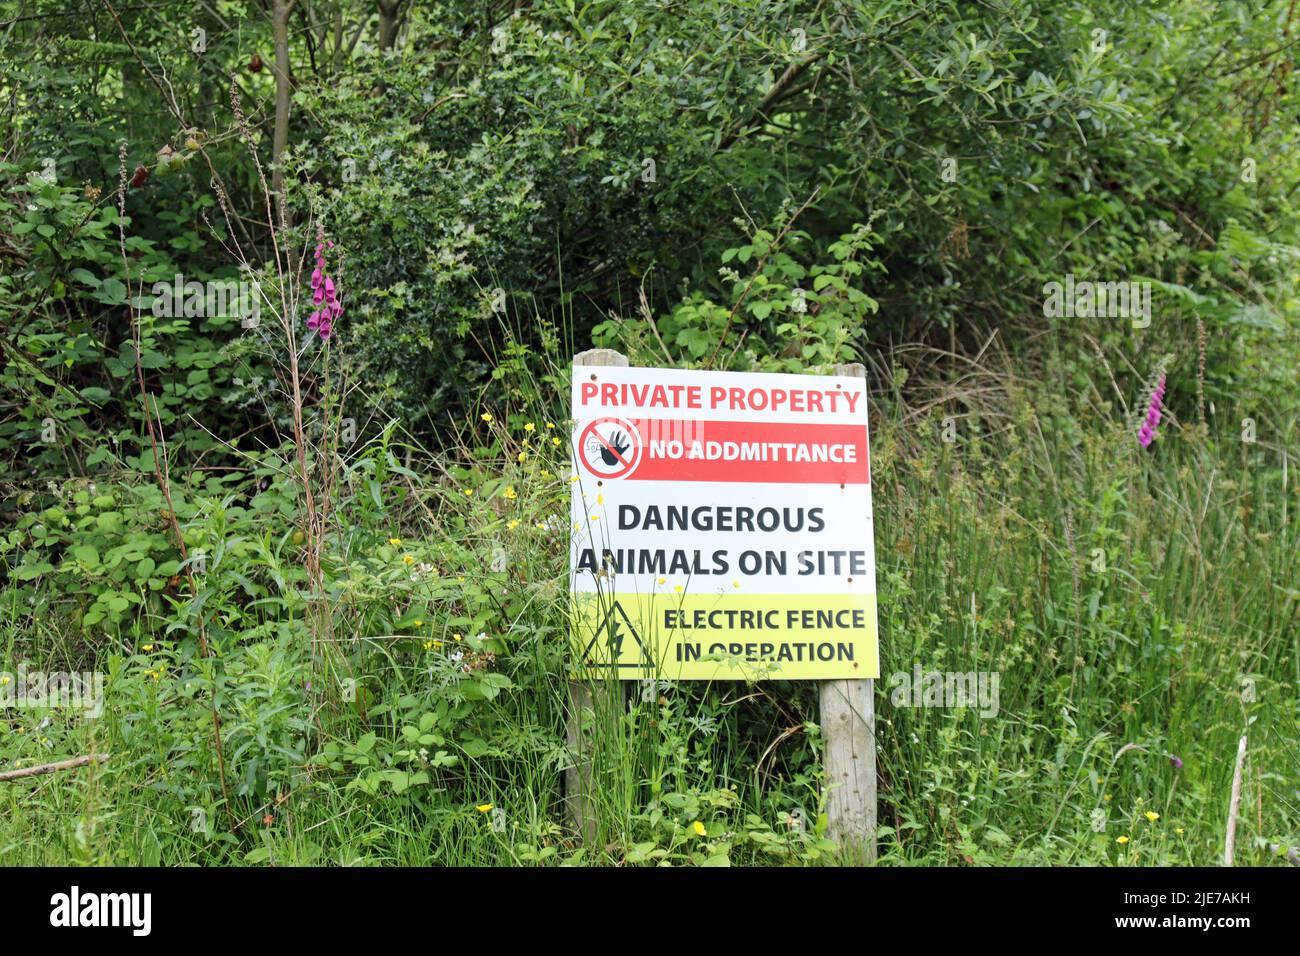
109,521
260,855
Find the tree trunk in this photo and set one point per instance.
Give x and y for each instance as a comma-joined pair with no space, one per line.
389,21
283,96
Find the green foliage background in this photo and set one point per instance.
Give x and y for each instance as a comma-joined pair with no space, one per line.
762,184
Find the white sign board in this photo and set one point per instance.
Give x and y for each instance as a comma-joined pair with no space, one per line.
722,526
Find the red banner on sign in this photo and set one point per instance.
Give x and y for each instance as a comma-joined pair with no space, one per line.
787,452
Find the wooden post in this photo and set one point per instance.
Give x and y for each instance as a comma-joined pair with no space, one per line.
1234,804
578,780
848,721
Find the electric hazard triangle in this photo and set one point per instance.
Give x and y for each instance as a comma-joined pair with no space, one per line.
615,639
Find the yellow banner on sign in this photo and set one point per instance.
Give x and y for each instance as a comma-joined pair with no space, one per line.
736,637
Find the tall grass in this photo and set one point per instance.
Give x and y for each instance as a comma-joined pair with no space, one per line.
1139,608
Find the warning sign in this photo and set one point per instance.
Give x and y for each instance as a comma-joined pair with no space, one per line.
605,649
609,448
722,526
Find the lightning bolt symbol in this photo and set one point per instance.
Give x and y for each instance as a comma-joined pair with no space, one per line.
615,641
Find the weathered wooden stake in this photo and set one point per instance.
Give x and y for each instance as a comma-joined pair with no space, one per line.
848,721
578,779
1234,804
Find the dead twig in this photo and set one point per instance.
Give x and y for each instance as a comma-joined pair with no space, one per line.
52,767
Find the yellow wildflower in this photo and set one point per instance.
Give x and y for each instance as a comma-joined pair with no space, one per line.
483,807
550,424
1152,817
698,827
395,542
510,493
512,524
1178,830
407,559
555,442
529,427
1121,840
486,416
521,457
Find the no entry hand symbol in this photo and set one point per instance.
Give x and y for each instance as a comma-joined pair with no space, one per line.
610,448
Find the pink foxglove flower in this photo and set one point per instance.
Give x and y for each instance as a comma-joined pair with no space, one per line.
1148,431
325,294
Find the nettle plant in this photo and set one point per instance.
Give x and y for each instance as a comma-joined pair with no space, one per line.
783,312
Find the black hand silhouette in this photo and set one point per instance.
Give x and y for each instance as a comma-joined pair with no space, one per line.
619,443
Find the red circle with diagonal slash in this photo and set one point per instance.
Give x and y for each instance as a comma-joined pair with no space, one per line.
628,459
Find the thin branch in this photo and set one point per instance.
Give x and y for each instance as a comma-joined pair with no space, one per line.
52,767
